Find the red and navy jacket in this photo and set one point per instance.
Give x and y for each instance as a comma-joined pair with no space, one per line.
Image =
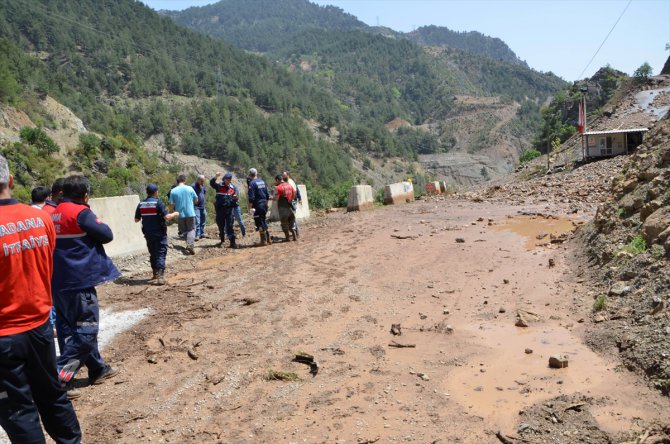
27,239
49,206
80,260
152,212
226,196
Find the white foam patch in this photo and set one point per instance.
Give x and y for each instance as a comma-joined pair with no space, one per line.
111,324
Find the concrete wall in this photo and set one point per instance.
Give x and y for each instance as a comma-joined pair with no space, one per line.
119,213
397,193
302,211
360,198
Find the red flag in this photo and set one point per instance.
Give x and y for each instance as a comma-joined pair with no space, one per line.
581,123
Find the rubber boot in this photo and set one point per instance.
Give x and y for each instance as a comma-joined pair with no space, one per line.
233,244
262,233
268,238
160,280
286,235
293,235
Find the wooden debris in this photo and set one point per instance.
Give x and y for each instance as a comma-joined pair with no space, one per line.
305,358
398,236
249,301
502,438
399,345
274,375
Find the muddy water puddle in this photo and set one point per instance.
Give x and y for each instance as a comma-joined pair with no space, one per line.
505,379
538,230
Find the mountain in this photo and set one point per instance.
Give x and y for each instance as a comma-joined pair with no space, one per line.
259,25
472,41
378,76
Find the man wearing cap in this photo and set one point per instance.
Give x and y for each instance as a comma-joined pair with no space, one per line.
29,385
183,200
153,215
258,204
200,206
227,198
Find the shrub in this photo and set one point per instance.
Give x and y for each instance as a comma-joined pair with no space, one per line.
637,245
601,303
529,155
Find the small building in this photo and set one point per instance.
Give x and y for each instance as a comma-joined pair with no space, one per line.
608,143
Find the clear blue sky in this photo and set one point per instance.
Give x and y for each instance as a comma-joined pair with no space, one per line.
550,35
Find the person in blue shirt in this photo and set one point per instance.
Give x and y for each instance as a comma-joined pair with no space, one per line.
227,198
200,207
258,204
153,215
183,200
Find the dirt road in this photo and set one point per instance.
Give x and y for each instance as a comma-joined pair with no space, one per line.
453,274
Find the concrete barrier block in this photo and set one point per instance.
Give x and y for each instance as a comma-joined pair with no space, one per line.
360,198
398,193
433,188
443,187
119,213
302,212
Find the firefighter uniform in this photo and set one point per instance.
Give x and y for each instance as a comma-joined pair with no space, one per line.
29,384
80,264
226,200
152,212
258,200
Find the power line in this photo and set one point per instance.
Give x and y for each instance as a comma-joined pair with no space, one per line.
606,37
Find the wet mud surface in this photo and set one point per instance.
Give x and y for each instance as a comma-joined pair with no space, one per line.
455,275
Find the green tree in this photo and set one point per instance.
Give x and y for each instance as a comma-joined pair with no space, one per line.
643,72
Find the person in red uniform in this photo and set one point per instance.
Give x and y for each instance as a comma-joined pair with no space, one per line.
80,264
56,195
29,384
284,195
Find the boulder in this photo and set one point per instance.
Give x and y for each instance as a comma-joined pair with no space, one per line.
558,361
655,224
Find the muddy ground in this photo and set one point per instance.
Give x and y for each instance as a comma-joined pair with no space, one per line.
454,274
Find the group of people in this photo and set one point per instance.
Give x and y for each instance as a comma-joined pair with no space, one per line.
188,204
52,259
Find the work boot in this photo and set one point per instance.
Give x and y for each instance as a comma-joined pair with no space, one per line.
160,279
293,235
268,238
155,275
220,244
262,233
286,235
233,244
106,373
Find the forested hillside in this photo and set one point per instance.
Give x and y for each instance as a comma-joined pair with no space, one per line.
473,42
378,77
113,63
262,25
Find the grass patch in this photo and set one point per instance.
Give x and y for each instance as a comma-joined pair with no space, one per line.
600,303
636,245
